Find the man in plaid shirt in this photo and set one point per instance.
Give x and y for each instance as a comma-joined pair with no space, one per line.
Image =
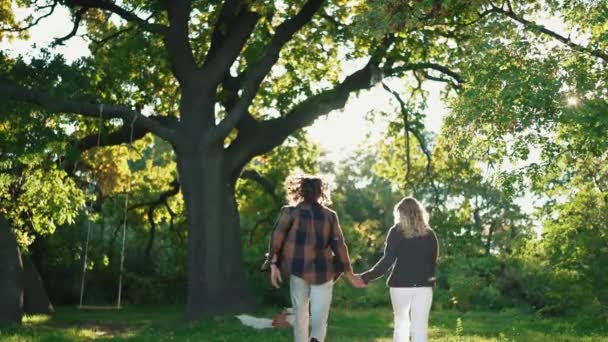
307,245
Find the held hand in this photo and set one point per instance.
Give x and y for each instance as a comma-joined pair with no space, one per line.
275,276
359,282
356,281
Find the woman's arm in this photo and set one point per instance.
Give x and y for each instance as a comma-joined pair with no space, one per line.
434,255
387,260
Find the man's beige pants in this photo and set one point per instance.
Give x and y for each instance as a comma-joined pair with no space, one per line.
315,299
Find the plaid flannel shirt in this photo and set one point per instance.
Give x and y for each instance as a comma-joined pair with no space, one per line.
308,243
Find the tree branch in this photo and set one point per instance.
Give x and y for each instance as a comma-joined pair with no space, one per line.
256,74
268,220
442,80
101,42
534,27
268,187
59,105
429,163
162,198
270,133
78,15
225,51
125,14
426,65
421,143
226,19
178,43
175,188
171,216
262,181
122,135
52,7
228,98
406,133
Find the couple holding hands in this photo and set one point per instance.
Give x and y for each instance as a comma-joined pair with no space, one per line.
307,248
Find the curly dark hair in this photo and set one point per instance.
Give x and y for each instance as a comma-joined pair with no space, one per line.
307,188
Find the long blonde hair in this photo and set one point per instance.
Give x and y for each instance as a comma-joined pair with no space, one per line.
411,218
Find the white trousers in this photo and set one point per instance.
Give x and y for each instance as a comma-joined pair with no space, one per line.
313,298
414,302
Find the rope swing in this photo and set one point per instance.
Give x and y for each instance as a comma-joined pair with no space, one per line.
118,306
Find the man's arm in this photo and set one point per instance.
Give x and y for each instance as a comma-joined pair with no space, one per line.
279,232
338,245
276,244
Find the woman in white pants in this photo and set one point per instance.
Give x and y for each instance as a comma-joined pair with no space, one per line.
411,250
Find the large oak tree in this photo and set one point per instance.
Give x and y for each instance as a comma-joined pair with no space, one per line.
226,82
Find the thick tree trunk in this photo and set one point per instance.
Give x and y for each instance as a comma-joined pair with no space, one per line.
216,276
36,299
11,273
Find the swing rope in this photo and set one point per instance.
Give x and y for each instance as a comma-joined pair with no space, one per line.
90,211
124,227
84,263
124,222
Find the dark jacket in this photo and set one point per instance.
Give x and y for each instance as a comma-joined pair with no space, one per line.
413,259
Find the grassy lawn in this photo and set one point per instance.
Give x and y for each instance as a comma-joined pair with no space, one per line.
166,324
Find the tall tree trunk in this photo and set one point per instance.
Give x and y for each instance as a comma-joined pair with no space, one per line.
36,299
148,250
11,276
490,237
216,276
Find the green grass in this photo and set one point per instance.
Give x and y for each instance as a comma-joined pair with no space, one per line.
166,324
